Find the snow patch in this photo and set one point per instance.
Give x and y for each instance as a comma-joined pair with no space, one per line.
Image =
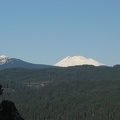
3,59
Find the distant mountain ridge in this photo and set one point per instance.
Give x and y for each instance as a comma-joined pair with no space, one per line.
6,62
77,60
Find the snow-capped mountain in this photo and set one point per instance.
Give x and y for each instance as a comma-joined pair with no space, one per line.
77,60
7,62
3,59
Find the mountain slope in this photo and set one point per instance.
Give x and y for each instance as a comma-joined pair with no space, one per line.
77,60
6,62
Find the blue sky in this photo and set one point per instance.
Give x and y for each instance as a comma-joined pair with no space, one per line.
46,31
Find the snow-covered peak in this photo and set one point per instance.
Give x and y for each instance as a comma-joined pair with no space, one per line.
77,60
3,56
3,59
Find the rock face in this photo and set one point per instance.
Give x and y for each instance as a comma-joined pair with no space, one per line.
8,111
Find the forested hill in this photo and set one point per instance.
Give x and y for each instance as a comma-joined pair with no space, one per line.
84,72
72,93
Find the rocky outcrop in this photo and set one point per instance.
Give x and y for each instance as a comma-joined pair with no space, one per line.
8,111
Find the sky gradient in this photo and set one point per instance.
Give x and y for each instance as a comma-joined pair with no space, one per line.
46,31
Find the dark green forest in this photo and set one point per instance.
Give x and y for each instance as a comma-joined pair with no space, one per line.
73,93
